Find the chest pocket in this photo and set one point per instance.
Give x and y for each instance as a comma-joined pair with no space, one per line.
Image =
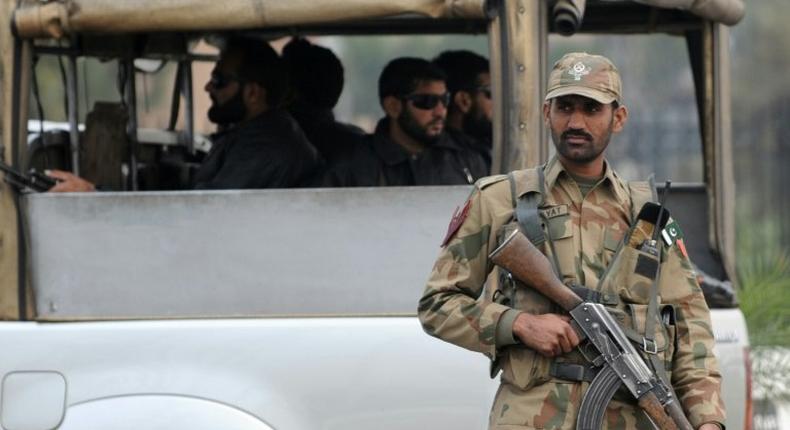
559,230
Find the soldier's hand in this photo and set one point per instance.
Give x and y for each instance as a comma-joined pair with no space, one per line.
68,182
548,334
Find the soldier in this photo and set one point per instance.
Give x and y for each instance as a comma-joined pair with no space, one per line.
316,76
584,210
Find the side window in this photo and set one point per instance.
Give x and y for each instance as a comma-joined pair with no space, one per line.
365,57
96,80
173,132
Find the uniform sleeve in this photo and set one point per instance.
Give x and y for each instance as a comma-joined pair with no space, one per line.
695,370
451,308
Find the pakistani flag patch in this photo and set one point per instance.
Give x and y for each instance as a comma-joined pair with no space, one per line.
672,234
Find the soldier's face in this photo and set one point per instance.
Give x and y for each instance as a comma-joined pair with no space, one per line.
424,111
581,127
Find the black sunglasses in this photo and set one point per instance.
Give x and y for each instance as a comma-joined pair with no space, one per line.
220,81
428,101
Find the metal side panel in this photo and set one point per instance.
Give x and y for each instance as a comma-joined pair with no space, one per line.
235,253
246,374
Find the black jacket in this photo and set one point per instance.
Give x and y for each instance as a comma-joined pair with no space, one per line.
481,146
378,161
268,151
330,137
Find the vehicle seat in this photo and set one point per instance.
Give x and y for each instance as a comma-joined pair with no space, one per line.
104,147
50,150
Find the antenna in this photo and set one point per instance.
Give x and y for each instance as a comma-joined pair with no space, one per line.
661,201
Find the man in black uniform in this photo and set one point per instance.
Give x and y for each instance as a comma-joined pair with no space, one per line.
258,145
471,111
409,146
316,76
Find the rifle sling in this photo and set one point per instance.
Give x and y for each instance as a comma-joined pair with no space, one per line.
526,209
527,214
650,324
590,295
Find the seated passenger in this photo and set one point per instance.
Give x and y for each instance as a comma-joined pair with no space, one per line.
259,144
316,77
409,146
471,110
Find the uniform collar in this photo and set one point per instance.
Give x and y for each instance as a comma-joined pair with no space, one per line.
554,170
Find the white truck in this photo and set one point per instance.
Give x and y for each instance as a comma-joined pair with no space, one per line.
287,309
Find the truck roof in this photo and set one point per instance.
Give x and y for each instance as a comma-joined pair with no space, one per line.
56,19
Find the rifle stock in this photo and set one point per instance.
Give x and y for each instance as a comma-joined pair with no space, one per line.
530,266
652,407
527,264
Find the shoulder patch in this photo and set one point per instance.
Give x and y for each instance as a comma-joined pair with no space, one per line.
459,216
673,235
489,180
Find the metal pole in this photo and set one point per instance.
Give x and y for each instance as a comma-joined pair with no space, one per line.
497,50
724,186
189,105
519,33
131,128
175,101
73,113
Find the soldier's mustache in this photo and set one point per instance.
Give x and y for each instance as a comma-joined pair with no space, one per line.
576,133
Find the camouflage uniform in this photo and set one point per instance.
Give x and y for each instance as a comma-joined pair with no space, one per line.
586,231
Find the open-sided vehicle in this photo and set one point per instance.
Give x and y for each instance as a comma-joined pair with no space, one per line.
283,309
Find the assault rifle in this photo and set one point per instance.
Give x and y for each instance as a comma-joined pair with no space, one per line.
34,181
618,360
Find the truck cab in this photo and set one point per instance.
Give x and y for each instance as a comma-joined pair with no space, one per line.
152,305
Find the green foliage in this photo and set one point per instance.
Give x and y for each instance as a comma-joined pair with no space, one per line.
765,299
760,97
764,273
